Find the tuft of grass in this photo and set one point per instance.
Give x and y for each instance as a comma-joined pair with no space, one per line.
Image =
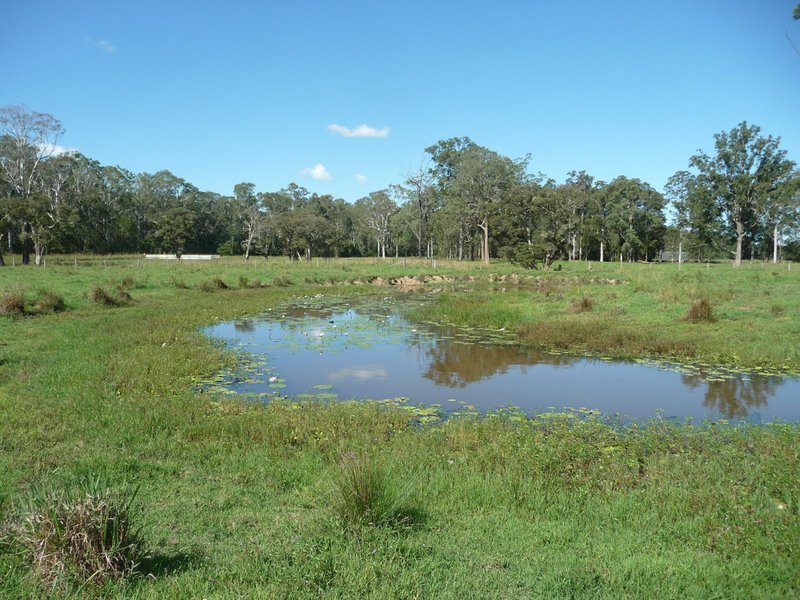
99,295
366,495
127,283
213,285
12,304
179,284
243,281
281,281
83,535
777,310
49,302
582,304
700,311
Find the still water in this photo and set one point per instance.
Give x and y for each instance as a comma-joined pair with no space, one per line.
361,348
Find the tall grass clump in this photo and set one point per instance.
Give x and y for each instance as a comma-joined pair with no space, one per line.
83,535
582,304
366,495
12,304
281,281
700,311
213,285
99,295
49,302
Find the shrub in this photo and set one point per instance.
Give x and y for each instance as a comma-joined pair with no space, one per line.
700,311
85,535
12,304
365,495
281,281
49,302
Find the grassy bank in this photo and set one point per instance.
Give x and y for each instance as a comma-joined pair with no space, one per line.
241,500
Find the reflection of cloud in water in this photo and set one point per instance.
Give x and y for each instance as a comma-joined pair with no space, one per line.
360,373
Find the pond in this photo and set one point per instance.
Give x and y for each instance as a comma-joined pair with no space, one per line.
364,348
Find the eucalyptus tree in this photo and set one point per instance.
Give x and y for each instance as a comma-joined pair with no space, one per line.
376,212
27,140
636,217
477,180
578,190
746,171
781,212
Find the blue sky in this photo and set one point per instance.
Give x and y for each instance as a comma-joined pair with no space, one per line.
220,94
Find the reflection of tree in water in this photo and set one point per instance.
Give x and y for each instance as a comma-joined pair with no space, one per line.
455,364
244,325
733,397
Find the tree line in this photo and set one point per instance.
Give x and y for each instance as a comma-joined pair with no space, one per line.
464,201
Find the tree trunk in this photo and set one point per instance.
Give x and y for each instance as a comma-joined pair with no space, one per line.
26,243
39,251
602,247
739,239
2,262
484,227
775,244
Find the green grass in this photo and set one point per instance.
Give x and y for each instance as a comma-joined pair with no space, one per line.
239,500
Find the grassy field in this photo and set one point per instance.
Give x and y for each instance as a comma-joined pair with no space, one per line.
346,500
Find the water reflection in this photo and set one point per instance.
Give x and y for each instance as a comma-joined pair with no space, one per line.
364,348
455,363
734,398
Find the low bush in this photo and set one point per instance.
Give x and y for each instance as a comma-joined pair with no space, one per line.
83,535
281,281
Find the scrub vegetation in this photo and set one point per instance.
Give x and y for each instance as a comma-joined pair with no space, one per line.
299,499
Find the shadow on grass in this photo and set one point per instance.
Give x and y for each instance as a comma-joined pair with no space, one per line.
159,565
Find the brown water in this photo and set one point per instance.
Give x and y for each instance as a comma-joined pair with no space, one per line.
365,349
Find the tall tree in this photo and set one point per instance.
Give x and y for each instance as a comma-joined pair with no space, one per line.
746,170
26,140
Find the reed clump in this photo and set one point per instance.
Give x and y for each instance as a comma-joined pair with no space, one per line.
582,304
366,495
85,535
12,304
701,311
49,302
214,285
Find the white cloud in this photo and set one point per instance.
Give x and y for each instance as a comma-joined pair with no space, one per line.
318,172
102,44
362,179
362,131
55,149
